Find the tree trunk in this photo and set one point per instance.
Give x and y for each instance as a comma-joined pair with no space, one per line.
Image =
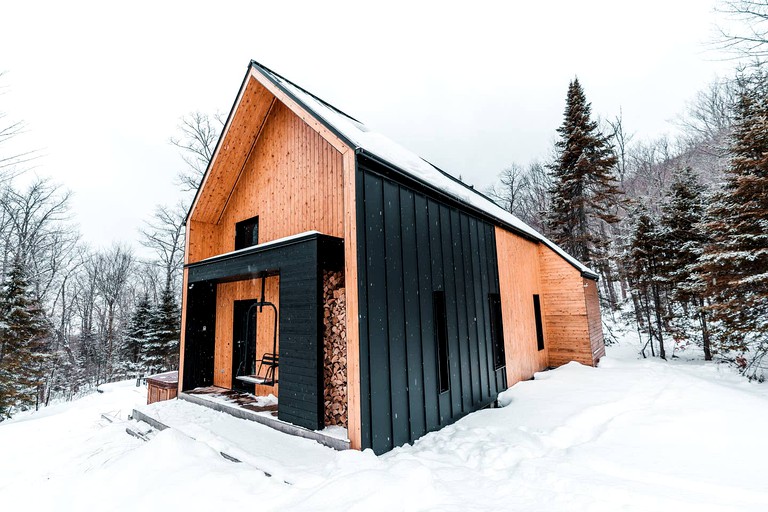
110,324
650,323
659,322
704,331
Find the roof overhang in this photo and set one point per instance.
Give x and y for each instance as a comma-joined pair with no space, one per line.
250,111
259,81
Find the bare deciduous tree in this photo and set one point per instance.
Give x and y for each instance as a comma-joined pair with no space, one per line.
523,191
621,143
113,269
164,234
198,134
751,38
35,231
511,189
9,129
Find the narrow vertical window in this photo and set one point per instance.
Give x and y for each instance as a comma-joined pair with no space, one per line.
247,233
497,331
441,339
539,328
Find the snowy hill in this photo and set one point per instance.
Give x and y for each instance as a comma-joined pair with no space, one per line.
629,435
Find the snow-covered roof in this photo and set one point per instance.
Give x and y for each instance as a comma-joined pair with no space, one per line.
385,149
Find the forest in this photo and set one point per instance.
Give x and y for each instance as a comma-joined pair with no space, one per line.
676,227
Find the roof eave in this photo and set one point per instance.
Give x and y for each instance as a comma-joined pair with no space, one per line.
218,143
270,76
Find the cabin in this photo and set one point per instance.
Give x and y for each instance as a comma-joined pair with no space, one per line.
343,283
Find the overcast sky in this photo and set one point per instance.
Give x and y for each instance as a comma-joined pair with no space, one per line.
470,87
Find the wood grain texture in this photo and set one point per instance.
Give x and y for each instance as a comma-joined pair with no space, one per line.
564,310
183,328
518,282
351,284
277,162
239,136
226,295
594,322
299,111
158,394
292,180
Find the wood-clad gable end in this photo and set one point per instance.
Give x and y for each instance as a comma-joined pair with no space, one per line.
410,246
565,310
277,162
251,110
518,282
291,178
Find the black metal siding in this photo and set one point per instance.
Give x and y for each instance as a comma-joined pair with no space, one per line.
410,245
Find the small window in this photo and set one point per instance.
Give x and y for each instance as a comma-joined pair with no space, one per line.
539,329
441,339
497,331
247,233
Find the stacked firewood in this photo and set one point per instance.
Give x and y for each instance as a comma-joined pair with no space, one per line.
335,345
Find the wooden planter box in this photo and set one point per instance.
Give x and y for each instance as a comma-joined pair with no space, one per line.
162,386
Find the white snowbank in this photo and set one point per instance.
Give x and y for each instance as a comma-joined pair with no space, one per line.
631,435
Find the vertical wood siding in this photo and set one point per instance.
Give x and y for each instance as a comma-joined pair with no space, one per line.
227,294
519,281
252,108
292,180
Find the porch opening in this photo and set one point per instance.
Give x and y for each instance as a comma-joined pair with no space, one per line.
266,328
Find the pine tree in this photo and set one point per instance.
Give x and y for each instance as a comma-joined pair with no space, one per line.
24,333
163,345
133,353
584,191
684,239
735,263
645,263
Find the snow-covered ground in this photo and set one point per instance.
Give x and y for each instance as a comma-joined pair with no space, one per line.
632,434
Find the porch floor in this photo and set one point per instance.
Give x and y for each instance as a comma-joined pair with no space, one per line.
246,401
262,410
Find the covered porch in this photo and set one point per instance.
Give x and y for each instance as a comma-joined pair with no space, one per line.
254,323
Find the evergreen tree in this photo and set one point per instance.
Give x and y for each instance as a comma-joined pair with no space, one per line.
133,353
163,344
24,333
584,192
735,263
645,264
684,239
